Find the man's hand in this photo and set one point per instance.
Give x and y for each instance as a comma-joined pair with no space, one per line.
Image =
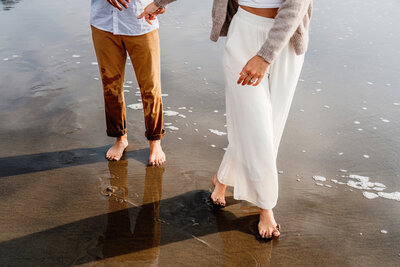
150,12
253,72
116,3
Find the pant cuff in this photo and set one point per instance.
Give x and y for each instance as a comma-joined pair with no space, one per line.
117,134
153,137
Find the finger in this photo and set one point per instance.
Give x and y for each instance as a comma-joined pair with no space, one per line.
246,80
122,2
142,15
251,80
148,19
243,74
259,79
112,3
116,5
241,77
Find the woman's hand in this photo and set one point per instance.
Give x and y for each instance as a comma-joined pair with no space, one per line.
253,72
150,12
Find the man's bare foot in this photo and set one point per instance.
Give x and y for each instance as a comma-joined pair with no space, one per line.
117,150
157,155
218,195
267,226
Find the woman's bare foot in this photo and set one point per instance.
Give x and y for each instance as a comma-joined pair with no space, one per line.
267,226
117,150
157,155
218,195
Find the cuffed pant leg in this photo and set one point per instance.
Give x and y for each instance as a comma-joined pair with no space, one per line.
111,57
144,51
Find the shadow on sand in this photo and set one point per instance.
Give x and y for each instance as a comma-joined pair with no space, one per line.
23,164
128,233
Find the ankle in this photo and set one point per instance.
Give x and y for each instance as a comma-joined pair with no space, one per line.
266,212
154,143
122,138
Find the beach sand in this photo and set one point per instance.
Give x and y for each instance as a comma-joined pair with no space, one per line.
63,204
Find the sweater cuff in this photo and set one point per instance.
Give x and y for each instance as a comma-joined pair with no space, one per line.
162,3
266,55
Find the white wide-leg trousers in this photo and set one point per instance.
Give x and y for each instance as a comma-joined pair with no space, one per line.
256,115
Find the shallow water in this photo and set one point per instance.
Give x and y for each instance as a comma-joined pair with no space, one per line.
64,204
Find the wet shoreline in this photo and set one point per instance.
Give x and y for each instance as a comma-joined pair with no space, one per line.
64,204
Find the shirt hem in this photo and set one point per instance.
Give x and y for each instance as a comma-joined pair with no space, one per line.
126,34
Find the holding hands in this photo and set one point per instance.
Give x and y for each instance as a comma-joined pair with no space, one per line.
150,12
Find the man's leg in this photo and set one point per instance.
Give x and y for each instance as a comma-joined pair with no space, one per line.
111,57
144,51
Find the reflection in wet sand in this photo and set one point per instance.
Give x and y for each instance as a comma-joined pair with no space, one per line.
118,239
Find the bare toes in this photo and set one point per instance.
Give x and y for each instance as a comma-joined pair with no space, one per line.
261,232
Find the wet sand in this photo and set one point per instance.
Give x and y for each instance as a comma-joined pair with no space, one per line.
63,204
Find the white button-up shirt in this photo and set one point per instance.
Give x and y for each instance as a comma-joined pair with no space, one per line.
108,18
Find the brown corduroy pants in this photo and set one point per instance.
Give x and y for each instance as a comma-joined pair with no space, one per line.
144,51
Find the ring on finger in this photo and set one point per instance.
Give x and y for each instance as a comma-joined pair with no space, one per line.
244,74
252,81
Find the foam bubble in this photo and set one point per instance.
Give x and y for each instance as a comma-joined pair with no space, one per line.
370,195
170,113
393,195
319,178
136,106
217,132
172,128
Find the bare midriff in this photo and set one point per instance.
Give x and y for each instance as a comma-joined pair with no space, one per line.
263,12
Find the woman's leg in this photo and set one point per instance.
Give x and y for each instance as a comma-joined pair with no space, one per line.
255,118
